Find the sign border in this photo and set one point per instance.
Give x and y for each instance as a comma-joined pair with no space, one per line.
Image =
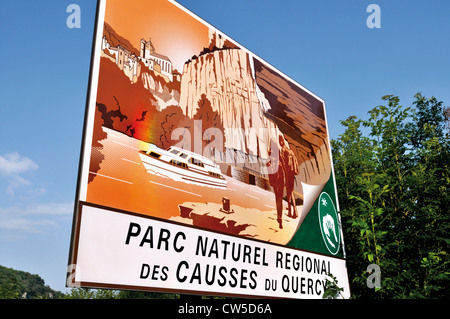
80,200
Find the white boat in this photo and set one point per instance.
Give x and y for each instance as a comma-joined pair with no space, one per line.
182,165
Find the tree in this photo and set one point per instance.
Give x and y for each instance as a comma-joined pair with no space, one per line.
85,293
430,201
128,294
9,290
354,160
393,186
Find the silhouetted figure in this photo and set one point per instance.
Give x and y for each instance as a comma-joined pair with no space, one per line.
276,179
289,164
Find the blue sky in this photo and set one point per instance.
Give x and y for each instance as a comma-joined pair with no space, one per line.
325,45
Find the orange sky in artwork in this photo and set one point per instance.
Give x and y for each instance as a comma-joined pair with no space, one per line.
173,31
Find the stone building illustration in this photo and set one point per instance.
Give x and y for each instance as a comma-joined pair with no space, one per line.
155,61
131,64
124,59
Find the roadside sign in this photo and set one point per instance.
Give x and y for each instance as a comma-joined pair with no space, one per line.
203,169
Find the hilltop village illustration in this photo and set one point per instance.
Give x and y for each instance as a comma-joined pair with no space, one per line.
129,63
247,118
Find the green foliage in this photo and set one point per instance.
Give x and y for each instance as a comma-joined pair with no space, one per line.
332,291
393,183
84,293
9,289
126,294
16,284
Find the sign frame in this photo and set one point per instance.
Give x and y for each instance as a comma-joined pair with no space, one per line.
81,202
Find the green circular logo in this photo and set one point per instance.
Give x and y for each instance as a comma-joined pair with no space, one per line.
329,223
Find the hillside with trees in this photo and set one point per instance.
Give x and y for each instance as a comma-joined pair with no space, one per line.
16,284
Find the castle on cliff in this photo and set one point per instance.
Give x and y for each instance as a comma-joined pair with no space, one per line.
130,64
155,61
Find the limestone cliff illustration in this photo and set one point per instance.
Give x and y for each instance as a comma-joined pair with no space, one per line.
143,97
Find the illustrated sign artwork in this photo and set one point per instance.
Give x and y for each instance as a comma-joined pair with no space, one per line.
204,169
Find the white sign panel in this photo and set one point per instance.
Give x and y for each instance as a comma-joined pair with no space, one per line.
132,252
